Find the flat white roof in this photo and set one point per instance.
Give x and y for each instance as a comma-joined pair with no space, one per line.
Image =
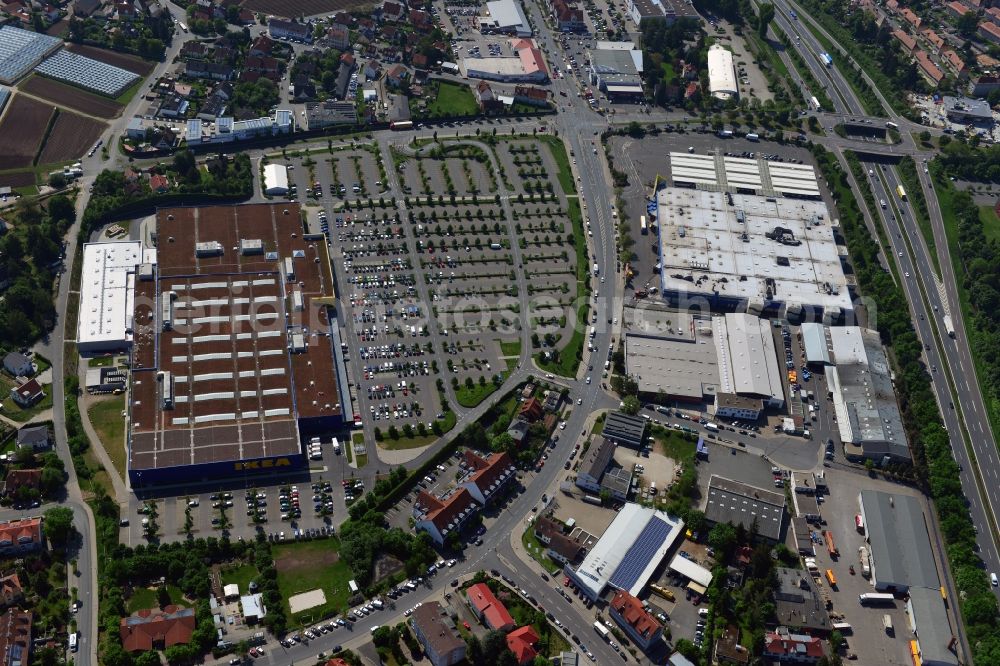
716,245
107,291
507,14
275,177
748,362
721,74
691,570
625,552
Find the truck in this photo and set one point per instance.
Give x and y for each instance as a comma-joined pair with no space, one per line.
831,546
401,125
887,623
711,427
726,134
643,227
866,569
948,326
336,446
876,599
901,192
663,592
891,125
753,136
591,499
602,631
827,60
831,578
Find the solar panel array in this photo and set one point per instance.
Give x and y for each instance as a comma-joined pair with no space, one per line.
20,50
640,554
4,96
87,73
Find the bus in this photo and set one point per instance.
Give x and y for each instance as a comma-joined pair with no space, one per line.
901,192
832,579
814,103
184,28
602,631
876,599
643,227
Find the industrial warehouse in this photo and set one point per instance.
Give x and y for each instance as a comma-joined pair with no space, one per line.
234,358
727,251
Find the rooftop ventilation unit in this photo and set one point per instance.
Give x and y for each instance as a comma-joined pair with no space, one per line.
208,249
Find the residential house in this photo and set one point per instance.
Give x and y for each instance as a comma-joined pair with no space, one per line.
421,20
531,410
636,621
522,643
159,183
957,9
441,517
984,85
910,17
989,31
784,647
18,365
488,609
36,438
373,69
261,46
15,638
531,96
518,430
568,18
216,71
935,39
908,41
173,106
155,629
397,75
338,36
21,536
559,546
265,66
993,14
290,30
928,68
419,60
10,590
488,102
85,8
728,649
436,633
194,50
392,11
594,464
28,393
327,114
19,480
955,61
215,105
487,476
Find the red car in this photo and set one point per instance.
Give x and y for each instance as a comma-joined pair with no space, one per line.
466,625
566,581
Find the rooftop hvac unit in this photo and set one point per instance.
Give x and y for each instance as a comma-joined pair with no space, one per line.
208,249
250,246
166,388
167,309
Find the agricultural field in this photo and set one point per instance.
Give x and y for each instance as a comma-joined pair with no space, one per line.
22,131
124,60
71,137
294,8
71,97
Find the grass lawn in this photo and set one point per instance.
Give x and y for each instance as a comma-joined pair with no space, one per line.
106,416
100,362
146,597
470,397
676,446
308,565
453,100
14,411
242,576
362,460
991,223
565,174
510,348
537,550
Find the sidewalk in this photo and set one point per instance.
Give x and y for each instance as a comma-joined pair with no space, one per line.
97,446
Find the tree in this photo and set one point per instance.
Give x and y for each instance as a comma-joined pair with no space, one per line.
764,17
57,181
723,539
967,24
163,596
59,526
631,405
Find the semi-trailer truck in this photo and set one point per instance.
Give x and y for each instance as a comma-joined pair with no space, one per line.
948,326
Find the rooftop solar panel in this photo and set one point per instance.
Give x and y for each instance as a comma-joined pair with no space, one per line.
640,554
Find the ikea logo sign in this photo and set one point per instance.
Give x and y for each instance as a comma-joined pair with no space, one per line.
263,464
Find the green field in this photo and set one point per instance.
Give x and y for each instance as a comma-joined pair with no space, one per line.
147,597
242,576
536,549
453,100
308,565
991,223
511,348
106,417
470,397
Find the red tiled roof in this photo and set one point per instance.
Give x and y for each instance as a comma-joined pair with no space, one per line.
154,627
990,28
10,588
778,645
488,469
910,17
905,39
955,60
934,38
22,478
631,610
21,531
441,513
958,8
933,71
521,642
485,603
15,637
29,389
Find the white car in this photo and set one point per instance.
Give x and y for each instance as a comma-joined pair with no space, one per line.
588,380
